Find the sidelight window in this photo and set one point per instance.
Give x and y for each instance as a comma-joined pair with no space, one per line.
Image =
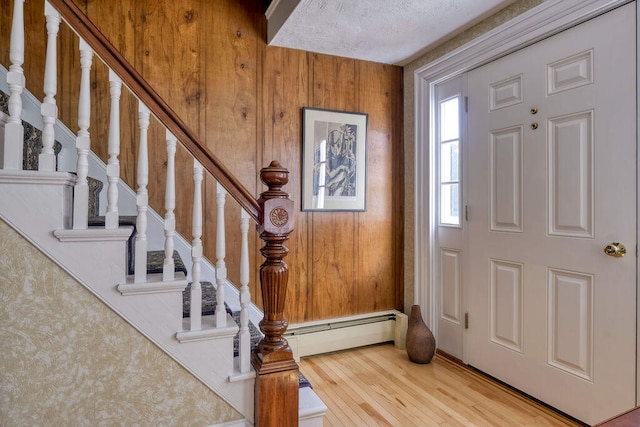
448,135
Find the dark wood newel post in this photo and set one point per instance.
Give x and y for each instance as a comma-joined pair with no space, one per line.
277,382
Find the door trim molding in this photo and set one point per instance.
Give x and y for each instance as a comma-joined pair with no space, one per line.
542,21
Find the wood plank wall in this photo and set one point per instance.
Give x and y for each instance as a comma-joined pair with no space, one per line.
244,99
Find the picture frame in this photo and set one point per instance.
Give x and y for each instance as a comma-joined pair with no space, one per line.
334,160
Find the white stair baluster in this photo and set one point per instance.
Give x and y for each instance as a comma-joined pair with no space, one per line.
49,109
221,268
196,249
113,164
168,267
83,141
244,345
142,198
11,153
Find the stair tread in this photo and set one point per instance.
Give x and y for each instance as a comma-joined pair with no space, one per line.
155,262
208,300
99,220
155,259
209,308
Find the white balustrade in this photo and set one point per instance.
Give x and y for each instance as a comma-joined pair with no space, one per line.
168,267
48,108
196,249
142,198
11,158
11,154
112,219
221,249
83,140
244,336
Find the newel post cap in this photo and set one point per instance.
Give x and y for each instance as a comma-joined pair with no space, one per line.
277,208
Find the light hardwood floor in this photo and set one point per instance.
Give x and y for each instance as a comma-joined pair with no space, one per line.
379,386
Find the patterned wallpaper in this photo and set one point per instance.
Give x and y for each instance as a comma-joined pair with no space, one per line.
516,8
66,359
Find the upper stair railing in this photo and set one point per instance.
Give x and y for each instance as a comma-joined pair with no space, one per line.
276,387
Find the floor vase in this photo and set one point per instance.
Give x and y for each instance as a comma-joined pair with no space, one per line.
421,344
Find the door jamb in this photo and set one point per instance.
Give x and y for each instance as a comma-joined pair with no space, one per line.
544,20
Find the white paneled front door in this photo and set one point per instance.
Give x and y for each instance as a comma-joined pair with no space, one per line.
552,182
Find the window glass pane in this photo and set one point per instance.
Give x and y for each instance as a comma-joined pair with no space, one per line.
449,162
449,204
449,121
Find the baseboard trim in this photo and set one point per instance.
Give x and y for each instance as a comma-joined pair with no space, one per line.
311,338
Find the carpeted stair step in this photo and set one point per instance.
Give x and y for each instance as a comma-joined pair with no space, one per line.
208,300
155,259
155,262
209,308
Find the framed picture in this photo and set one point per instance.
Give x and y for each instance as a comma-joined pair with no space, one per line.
334,160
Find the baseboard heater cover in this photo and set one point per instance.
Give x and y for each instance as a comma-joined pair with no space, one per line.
307,339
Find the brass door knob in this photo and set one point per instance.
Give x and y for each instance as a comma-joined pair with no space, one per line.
615,249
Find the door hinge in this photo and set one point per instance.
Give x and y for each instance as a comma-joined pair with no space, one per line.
466,212
466,320
466,104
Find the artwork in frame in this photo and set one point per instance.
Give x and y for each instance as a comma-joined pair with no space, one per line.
334,160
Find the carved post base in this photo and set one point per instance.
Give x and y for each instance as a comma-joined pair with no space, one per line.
282,387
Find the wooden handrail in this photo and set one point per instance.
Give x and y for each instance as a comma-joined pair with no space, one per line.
101,46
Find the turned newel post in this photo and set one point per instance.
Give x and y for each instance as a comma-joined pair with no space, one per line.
277,382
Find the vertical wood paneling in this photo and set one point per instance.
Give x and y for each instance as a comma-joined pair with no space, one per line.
231,79
68,77
334,234
36,40
122,29
376,275
209,60
397,177
285,91
171,63
230,114
6,14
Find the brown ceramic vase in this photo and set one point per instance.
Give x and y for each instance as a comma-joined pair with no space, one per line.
421,344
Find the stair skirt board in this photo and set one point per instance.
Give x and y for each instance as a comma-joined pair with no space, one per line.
307,339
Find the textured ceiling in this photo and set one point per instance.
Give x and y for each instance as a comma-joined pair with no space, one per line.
386,31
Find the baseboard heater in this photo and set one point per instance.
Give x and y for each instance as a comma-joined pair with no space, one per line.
307,339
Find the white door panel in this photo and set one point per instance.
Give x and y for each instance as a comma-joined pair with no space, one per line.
552,172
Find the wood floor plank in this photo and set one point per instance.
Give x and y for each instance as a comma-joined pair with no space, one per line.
342,396
379,386
383,398
399,391
429,381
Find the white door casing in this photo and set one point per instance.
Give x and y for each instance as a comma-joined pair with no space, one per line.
552,167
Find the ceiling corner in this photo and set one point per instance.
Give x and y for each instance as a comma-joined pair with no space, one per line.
277,14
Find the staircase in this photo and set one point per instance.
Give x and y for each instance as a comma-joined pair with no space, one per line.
107,242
